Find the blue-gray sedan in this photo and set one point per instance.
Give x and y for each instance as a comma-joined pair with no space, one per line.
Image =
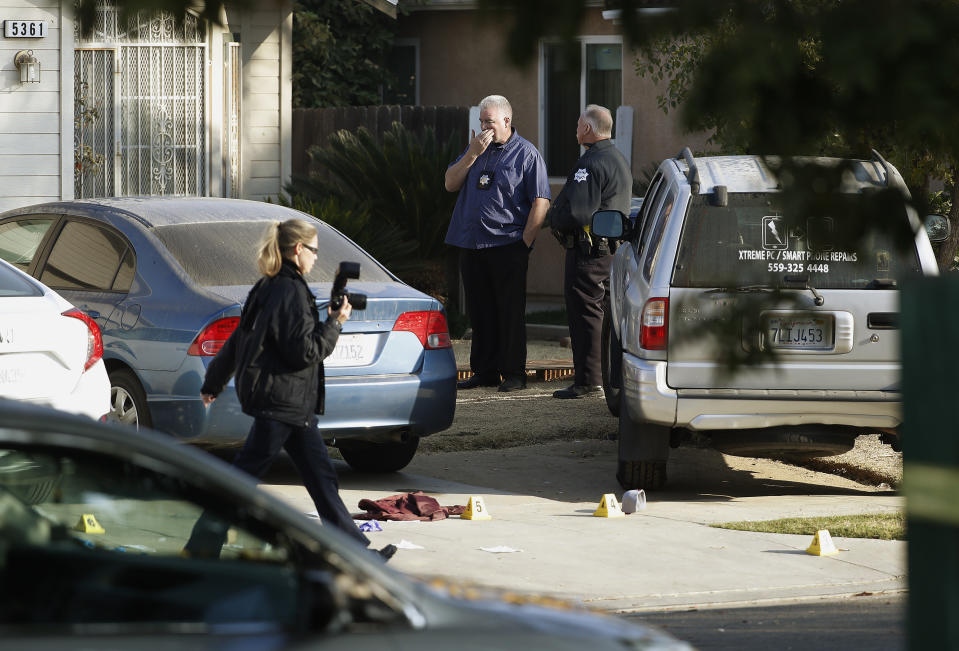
165,279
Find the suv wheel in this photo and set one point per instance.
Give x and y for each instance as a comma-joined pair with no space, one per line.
612,362
643,451
648,475
366,456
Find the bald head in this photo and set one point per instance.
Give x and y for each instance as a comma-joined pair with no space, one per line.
600,121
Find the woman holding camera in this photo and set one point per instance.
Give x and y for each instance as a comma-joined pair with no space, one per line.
276,353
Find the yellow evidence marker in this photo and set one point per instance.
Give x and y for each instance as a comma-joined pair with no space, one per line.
88,524
609,508
475,510
822,544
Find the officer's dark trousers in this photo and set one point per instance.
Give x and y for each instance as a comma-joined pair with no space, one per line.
494,280
308,452
586,286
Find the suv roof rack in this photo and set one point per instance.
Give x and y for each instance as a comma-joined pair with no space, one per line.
693,174
893,177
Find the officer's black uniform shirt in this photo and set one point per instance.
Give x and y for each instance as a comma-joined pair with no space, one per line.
601,180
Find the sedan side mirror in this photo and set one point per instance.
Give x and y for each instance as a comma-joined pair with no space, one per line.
610,223
937,228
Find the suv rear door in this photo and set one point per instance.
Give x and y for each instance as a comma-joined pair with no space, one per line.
740,293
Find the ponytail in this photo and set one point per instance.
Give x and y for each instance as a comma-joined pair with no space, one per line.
280,238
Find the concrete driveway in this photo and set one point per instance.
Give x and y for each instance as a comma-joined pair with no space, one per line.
542,500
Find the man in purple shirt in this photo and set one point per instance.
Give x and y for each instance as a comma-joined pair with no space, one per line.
504,196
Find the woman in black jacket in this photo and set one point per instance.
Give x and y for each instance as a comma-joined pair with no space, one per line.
277,354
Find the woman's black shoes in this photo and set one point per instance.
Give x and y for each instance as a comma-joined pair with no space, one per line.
387,552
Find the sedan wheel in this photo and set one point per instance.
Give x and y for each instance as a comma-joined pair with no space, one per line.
128,404
365,456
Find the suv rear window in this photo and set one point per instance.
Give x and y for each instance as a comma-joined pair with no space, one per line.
748,242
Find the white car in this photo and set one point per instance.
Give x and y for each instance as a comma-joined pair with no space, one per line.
50,352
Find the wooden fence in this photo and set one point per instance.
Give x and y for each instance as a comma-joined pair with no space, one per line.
314,126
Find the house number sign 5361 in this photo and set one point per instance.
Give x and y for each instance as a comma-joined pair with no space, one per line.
24,28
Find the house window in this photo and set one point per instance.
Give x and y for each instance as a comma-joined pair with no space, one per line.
403,65
568,86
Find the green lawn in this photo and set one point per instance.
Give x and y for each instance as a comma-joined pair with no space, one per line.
883,526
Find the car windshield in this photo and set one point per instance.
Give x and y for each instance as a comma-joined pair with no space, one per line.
750,242
101,503
224,253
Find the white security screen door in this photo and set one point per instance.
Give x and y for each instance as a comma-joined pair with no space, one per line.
145,82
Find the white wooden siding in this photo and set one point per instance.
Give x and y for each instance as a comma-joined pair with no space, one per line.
30,161
267,100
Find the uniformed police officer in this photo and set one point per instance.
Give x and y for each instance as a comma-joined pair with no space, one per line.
601,180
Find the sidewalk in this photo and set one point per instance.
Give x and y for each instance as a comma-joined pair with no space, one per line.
665,557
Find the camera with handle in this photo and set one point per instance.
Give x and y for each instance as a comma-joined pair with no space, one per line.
344,272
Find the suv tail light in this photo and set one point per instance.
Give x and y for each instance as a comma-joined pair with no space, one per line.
429,327
94,338
211,339
652,330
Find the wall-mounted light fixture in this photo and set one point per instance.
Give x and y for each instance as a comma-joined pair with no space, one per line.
28,66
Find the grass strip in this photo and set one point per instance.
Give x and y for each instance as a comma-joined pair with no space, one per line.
881,526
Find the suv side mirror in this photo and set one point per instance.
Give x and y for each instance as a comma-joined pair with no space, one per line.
610,223
937,228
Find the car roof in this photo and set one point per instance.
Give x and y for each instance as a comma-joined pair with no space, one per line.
164,211
751,174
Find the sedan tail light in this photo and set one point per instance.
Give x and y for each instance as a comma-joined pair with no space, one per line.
429,327
94,338
211,339
653,328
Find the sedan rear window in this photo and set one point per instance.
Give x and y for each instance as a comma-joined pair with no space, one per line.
13,284
750,242
224,253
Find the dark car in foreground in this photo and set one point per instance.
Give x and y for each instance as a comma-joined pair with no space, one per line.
165,279
91,536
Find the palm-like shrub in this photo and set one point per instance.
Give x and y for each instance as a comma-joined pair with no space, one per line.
398,180
385,242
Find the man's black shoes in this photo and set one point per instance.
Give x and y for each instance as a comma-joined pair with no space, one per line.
512,384
577,391
477,381
387,552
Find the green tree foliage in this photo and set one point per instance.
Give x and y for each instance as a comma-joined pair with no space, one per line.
339,53
799,77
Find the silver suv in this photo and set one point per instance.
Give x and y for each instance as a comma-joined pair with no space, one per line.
771,336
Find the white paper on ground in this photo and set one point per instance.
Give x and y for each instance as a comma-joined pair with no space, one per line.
500,549
406,544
